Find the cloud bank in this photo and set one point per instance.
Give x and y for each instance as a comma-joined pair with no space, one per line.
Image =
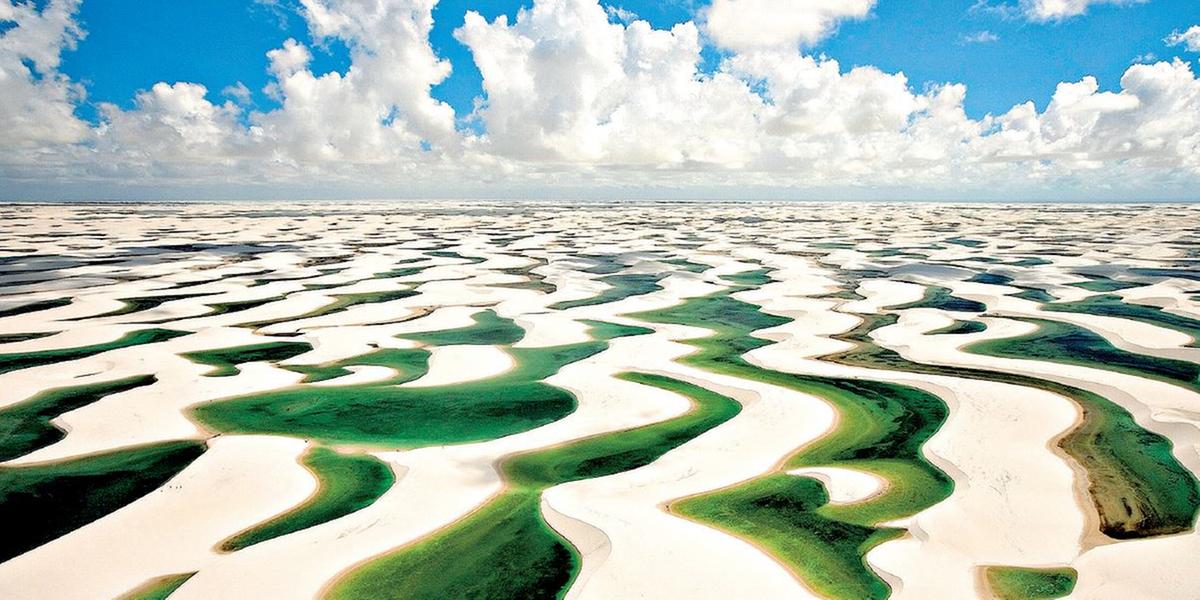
576,100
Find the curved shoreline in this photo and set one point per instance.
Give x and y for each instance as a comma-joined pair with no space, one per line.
525,477
722,352
345,484
1092,407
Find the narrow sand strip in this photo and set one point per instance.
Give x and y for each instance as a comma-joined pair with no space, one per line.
845,486
359,375
1127,334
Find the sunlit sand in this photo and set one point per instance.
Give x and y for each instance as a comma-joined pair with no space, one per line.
879,401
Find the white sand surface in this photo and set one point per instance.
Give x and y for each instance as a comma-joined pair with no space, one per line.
152,413
996,445
1127,334
1016,500
1152,568
438,486
845,486
549,328
458,364
879,294
172,530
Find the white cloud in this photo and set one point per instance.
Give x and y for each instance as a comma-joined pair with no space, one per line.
237,92
36,101
378,114
980,37
565,85
574,100
1003,10
822,125
620,14
393,69
171,125
1189,39
567,90
1152,125
745,25
1057,10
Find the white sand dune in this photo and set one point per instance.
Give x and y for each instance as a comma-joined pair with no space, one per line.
1139,569
845,486
458,364
649,553
668,555
153,413
1127,334
1018,500
172,530
879,294
996,445
1158,406
438,486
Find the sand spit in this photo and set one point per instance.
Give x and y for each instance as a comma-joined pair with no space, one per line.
456,364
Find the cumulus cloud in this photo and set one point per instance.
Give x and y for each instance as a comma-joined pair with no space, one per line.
1189,39
823,125
564,84
745,25
620,14
1152,123
393,62
379,112
238,92
171,123
1057,10
37,103
574,98
381,107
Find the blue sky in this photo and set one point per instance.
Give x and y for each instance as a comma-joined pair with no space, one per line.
226,42
998,99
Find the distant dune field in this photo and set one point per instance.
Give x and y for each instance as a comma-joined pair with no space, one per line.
638,400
